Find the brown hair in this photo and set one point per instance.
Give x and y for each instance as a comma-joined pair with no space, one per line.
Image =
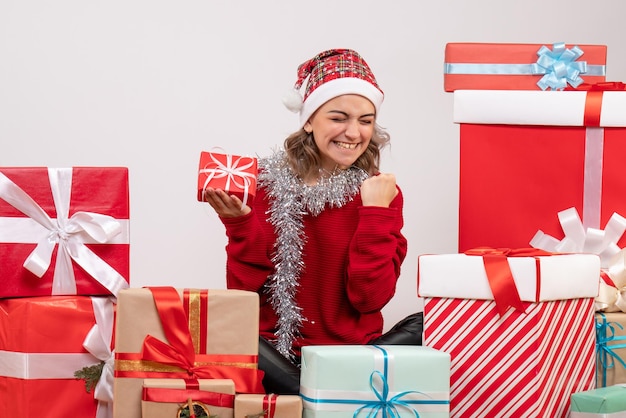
304,159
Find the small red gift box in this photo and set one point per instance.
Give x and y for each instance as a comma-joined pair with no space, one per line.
44,342
63,231
531,160
500,66
232,173
522,362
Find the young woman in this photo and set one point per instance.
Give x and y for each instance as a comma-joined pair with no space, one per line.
322,243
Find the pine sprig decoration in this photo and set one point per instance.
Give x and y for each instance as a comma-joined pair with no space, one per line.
91,375
199,411
259,415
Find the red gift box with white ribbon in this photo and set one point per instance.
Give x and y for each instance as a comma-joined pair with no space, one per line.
63,231
526,156
40,354
519,328
234,174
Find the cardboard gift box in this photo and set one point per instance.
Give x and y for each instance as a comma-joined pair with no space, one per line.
234,174
163,332
511,66
608,402
611,348
522,352
533,162
40,354
166,398
268,406
63,231
348,380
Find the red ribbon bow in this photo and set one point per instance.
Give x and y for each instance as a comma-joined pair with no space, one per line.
180,351
499,275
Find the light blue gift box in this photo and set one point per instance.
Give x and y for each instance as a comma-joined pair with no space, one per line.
608,402
351,381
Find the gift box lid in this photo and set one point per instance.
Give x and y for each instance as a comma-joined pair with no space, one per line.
549,108
537,279
606,400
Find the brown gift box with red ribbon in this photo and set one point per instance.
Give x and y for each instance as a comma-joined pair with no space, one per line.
268,406
166,398
163,332
526,156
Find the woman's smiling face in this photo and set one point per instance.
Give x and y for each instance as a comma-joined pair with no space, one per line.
342,128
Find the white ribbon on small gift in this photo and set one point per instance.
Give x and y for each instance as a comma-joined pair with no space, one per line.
98,343
69,233
593,241
232,170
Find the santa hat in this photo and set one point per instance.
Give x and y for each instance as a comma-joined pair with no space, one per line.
330,74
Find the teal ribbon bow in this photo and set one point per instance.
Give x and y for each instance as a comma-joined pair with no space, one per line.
605,334
559,67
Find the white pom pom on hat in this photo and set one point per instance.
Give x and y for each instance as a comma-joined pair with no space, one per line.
293,100
332,73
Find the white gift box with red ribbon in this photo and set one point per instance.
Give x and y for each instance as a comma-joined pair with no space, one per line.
525,361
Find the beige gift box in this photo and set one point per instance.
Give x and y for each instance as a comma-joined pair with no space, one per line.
163,398
268,406
205,334
615,341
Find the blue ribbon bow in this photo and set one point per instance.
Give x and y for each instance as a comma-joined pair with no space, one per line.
388,407
605,333
559,67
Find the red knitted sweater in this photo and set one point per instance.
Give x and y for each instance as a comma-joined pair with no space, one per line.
352,258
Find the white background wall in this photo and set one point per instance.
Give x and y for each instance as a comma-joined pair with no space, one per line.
148,84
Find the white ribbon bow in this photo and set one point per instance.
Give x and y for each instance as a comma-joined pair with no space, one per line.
70,233
98,343
232,171
580,240
593,241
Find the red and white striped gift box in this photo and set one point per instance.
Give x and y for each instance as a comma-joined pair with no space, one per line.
519,364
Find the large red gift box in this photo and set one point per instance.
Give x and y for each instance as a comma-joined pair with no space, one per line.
542,165
502,66
520,358
43,342
234,174
63,231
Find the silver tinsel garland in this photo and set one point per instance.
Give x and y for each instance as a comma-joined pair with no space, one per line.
290,200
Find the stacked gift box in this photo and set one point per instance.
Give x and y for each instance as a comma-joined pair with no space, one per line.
530,304
65,255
